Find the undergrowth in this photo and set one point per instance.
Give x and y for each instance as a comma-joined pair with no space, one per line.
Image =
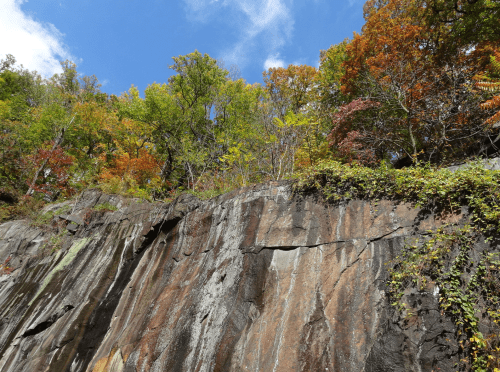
55,242
25,208
200,194
461,261
105,207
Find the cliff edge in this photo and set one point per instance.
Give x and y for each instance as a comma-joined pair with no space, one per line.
259,279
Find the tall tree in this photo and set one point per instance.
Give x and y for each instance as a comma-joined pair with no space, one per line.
291,88
427,105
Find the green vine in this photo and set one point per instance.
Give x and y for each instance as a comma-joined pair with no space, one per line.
448,259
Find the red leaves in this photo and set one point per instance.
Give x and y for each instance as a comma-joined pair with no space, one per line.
352,149
345,138
348,112
344,120
56,174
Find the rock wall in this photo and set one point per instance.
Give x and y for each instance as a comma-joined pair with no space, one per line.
254,280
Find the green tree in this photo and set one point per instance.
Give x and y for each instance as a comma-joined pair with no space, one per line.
188,117
20,93
329,95
472,21
240,142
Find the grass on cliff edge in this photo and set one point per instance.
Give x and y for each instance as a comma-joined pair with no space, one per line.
423,185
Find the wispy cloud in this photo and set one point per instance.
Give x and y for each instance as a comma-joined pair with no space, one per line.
273,62
263,27
35,45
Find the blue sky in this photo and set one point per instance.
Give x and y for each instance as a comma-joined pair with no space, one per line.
132,42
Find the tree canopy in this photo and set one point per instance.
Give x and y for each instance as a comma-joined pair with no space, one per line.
419,83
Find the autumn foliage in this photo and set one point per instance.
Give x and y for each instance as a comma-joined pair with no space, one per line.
291,88
56,175
141,169
492,86
415,85
421,78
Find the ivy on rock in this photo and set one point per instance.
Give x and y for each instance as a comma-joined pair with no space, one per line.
459,260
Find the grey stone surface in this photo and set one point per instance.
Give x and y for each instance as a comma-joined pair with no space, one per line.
490,164
257,279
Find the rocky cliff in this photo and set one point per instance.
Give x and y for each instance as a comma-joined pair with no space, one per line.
256,280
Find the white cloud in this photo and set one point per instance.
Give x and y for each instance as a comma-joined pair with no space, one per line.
273,62
35,45
263,25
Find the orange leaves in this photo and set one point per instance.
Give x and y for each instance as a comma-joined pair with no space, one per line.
134,157
375,53
422,78
494,119
393,32
488,86
141,169
291,86
492,86
491,103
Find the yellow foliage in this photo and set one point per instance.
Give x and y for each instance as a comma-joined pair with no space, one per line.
4,109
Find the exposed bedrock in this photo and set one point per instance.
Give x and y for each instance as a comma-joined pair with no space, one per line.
254,280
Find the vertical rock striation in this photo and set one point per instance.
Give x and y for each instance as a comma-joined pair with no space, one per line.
254,280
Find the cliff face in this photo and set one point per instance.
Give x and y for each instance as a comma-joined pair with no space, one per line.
257,280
